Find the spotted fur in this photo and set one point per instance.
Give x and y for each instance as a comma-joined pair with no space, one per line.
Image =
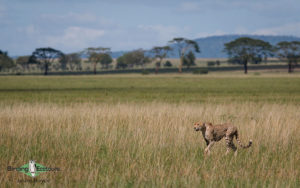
214,133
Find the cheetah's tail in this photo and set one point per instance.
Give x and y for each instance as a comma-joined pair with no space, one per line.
241,145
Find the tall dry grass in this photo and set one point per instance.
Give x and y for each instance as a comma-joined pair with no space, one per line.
150,144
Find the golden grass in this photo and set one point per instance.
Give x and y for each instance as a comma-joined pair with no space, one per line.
149,145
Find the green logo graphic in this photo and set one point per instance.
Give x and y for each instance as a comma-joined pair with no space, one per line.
32,169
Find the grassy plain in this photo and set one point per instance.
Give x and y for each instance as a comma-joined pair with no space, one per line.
280,88
136,131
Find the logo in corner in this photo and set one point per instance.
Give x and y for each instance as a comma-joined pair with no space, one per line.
32,169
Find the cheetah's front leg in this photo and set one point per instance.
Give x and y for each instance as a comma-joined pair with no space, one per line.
207,149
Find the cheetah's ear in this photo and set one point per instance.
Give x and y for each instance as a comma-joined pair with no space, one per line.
210,124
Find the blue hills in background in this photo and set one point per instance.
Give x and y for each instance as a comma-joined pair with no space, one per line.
212,47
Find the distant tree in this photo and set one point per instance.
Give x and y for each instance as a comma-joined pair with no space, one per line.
45,57
160,53
157,66
5,61
136,58
23,61
105,60
189,59
168,64
94,58
63,60
184,46
94,55
102,58
257,60
121,63
33,60
73,60
289,51
244,50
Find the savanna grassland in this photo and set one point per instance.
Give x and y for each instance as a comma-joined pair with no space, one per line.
137,131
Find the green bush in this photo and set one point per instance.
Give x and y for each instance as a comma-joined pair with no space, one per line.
168,64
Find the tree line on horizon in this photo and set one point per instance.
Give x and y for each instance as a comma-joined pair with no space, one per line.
241,51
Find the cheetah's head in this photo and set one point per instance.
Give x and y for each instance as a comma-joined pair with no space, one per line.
199,126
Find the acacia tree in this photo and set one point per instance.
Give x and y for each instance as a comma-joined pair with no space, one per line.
136,58
183,46
23,61
289,51
5,61
121,63
160,53
63,61
94,55
45,57
244,50
105,60
189,59
73,60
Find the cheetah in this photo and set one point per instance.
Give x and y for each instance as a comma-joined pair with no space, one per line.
214,133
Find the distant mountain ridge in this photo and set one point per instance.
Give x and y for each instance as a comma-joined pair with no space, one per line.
212,47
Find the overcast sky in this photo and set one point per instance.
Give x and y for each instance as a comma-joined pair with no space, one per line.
72,25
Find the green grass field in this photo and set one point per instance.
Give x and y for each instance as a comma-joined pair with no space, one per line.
136,88
137,131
